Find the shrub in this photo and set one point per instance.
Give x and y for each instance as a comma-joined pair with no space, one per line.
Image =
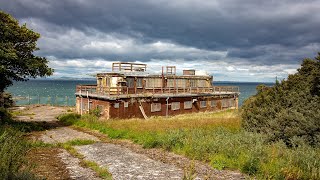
251,166
289,109
69,118
4,115
96,112
6,100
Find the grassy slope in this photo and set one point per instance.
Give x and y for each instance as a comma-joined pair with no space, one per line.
215,138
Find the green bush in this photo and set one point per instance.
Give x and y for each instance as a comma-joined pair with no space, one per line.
251,166
6,100
290,109
69,118
96,112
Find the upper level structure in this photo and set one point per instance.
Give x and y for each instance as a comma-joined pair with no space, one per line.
132,80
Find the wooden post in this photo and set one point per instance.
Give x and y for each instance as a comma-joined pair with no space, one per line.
81,103
88,102
162,80
167,108
237,102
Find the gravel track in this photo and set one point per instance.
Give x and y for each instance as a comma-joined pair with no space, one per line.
64,134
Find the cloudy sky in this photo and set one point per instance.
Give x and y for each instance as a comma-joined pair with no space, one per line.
233,40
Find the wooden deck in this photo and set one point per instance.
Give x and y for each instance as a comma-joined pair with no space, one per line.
125,92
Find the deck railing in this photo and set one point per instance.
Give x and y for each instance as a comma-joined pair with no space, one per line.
110,91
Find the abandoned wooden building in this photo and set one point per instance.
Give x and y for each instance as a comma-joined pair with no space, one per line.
129,91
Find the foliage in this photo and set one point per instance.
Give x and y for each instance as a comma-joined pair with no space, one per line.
290,110
223,145
4,115
6,100
17,61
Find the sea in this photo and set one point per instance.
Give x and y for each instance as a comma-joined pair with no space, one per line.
62,92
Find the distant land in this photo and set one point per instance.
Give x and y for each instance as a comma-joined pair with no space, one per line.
64,78
249,82
93,79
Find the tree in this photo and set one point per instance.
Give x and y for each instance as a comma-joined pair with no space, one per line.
290,110
17,61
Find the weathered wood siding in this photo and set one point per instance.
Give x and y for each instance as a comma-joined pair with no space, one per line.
129,108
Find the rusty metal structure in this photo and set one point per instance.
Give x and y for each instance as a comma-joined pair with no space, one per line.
129,91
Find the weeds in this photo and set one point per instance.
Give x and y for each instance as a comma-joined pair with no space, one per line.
189,172
102,172
79,142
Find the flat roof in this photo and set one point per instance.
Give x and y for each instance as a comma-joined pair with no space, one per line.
145,74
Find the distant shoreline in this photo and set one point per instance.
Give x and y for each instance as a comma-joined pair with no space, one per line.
93,79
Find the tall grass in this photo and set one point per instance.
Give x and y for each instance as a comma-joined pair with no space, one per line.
217,139
13,149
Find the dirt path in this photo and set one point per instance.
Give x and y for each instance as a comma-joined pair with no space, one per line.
47,164
40,113
123,159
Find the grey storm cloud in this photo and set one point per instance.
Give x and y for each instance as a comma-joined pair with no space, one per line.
239,32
